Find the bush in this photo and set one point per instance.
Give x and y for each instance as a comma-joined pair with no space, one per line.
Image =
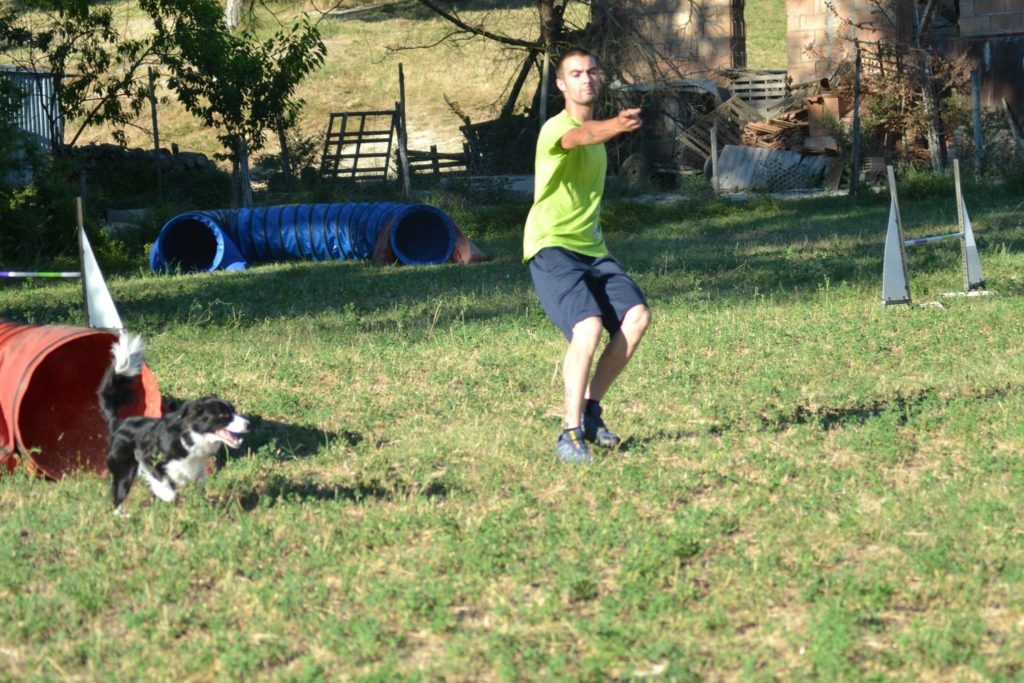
38,217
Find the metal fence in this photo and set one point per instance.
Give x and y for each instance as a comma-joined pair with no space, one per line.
40,117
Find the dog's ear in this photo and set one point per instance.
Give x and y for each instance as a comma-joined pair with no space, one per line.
188,411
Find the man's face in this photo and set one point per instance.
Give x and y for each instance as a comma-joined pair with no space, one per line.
578,79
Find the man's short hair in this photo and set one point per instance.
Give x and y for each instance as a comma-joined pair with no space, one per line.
572,52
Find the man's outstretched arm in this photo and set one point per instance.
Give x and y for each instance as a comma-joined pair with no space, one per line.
598,132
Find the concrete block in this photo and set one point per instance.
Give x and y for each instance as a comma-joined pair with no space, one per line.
1005,23
989,7
977,26
813,21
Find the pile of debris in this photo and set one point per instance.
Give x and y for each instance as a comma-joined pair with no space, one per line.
785,131
790,130
688,121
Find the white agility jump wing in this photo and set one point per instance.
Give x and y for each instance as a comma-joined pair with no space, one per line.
895,284
973,277
99,305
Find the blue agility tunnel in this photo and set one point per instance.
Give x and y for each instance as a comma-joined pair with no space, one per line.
413,234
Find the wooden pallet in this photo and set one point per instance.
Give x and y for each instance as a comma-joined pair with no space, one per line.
434,162
731,115
762,91
358,144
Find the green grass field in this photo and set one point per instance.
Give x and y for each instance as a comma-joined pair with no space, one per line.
812,486
766,34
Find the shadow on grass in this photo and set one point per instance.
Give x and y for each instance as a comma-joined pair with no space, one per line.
291,442
904,408
640,443
414,11
278,488
287,442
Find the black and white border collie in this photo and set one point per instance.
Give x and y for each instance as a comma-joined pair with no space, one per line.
170,451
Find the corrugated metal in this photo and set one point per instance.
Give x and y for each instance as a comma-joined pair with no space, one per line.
40,114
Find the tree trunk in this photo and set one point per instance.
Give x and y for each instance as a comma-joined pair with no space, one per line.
933,118
517,87
233,13
286,166
244,179
550,34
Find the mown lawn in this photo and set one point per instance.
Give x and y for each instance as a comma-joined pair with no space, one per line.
812,486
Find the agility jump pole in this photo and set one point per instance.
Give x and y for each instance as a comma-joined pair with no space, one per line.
37,273
895,281
934,238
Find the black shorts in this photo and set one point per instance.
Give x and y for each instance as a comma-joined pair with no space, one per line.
573,287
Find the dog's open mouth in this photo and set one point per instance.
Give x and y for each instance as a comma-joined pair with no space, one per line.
229,438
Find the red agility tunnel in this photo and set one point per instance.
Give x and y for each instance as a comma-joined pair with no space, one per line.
49,412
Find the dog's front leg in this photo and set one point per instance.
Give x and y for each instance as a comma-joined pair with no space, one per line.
162,488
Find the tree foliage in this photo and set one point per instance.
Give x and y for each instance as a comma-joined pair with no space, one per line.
232,81
98,68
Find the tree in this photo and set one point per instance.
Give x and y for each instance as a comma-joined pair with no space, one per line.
98,70
234,82
612,29
551,29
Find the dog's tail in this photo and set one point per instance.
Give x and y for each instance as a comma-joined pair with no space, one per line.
117,389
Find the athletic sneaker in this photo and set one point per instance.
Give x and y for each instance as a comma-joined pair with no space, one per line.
594,428
571,448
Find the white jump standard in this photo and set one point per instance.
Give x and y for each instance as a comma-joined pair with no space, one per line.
895,283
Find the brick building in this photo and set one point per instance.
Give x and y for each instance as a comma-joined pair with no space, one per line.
990,31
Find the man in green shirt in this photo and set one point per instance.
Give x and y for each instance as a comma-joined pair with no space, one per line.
582,288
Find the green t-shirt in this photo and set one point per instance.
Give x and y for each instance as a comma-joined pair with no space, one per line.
568,186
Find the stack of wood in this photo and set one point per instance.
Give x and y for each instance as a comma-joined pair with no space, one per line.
785,131
730,116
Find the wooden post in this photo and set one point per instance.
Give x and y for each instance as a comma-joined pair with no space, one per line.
435,166
979,135
235,182
714,158
855,162
80,222
156,136
81,190
403,138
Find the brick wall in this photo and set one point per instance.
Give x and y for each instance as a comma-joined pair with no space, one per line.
683,37
820,38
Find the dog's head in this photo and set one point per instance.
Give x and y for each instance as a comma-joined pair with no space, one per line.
214,419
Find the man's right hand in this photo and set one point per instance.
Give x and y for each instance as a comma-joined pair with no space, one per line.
629,120
598,132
